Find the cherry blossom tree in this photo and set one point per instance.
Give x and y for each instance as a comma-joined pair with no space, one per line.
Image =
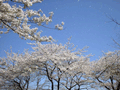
51,60
16,74
16,14
75,75
10,75
54,58
106,71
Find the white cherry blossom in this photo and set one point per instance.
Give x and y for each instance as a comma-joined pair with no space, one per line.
16,18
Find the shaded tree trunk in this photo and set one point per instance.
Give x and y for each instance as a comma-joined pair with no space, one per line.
52,85
58,86
118,86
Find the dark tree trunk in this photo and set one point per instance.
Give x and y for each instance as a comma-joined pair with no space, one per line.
58,86
52,85
118,86
78,87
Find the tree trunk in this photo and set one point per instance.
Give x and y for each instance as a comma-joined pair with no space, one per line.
118,86
52,85
78,87
58,86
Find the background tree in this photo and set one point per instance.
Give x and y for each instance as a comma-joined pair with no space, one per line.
75,75
106,71
117,44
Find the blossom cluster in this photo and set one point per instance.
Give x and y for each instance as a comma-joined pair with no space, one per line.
16,18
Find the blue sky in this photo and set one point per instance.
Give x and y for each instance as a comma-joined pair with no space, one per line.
85,21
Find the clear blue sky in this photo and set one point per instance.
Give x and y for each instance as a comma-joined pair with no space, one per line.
85,21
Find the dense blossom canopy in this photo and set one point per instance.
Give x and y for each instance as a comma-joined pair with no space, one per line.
46,58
